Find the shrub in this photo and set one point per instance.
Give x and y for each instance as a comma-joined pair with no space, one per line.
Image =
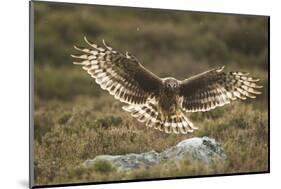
108,121
103,166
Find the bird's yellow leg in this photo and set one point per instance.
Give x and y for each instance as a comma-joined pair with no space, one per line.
178,110
162,114
162,117
178,116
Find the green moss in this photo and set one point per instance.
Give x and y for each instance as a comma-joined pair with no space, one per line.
103,166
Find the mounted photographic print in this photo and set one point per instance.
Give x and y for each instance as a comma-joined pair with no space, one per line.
120,94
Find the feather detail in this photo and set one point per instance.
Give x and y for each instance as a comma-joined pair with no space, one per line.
148,114
121,75
214,88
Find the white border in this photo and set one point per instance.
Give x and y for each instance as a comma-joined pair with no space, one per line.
14,92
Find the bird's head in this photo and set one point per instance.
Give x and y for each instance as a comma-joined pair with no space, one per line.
171,84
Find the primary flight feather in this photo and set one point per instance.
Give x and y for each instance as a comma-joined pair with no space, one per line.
161,102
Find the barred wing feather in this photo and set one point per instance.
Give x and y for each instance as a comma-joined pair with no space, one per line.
214,88
121,75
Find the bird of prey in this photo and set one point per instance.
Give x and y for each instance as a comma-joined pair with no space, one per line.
161,103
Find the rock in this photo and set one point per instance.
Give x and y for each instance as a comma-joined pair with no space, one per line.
202,149
129,161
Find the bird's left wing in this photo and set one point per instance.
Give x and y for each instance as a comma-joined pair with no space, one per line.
121,75
214,88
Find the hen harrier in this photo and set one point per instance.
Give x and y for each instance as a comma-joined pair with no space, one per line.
161,102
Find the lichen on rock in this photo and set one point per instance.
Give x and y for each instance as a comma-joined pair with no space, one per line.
202,149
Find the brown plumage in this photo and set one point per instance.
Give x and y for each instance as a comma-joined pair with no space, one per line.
161,102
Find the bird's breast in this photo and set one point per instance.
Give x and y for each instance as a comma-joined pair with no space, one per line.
167,103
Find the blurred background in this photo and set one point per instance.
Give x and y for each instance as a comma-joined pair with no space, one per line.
169,43
74,116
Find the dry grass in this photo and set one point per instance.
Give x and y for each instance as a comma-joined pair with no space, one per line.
86,129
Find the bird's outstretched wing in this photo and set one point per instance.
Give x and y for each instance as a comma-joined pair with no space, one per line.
121,75
214,88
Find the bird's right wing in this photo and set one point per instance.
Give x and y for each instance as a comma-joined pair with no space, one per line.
214,88
121,75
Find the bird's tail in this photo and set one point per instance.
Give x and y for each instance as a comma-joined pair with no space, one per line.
149,114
